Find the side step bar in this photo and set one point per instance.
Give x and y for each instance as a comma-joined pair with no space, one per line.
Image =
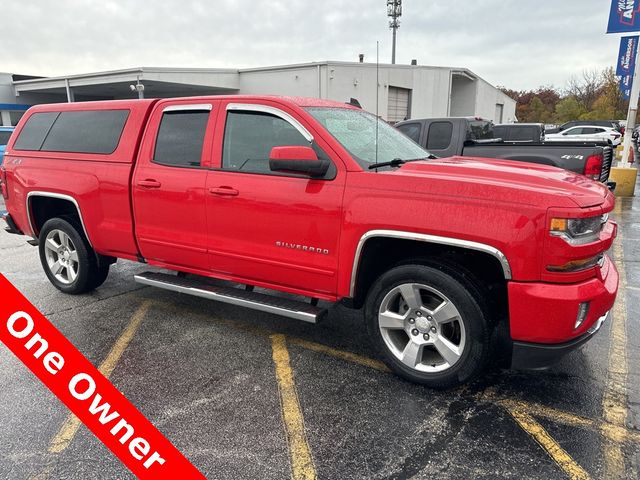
244,298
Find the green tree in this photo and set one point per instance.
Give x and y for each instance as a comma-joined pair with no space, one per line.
568,109
538,112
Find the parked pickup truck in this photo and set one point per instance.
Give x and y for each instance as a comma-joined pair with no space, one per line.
474,137
451,260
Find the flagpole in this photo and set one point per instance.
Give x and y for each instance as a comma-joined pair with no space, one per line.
633,110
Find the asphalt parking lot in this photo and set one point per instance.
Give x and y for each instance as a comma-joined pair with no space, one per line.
213,377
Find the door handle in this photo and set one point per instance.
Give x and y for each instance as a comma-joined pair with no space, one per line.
149,183
231,192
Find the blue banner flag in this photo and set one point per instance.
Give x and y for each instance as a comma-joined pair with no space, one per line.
627,56
624,16
625,85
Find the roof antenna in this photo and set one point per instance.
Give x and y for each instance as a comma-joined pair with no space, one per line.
377,95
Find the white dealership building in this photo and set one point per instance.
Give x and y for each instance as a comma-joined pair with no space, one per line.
404,91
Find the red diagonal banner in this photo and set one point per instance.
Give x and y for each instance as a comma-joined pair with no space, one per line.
87,393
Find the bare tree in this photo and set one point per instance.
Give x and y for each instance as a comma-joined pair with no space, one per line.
586,89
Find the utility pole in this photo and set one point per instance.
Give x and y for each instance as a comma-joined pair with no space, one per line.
394,12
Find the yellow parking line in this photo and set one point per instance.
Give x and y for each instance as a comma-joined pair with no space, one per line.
555,451
616,433
71,425
341,354
614,401
613,432
302,466
306,344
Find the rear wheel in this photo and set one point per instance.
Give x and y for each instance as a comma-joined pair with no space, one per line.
428,325
67,258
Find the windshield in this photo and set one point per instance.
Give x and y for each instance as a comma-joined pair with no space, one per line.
356,132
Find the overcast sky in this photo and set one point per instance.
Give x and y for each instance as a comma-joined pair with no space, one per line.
520,44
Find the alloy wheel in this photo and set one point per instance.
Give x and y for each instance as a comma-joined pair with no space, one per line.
62,256
422,327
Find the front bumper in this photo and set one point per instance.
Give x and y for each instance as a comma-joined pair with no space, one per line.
541,312
540,355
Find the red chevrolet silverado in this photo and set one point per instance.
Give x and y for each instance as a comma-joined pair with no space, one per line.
452,260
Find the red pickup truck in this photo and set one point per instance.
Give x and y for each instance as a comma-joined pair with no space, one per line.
451,259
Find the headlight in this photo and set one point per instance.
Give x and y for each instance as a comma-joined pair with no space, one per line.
578,231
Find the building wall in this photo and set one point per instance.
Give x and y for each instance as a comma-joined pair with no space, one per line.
464,93
302,81
435,92
486,100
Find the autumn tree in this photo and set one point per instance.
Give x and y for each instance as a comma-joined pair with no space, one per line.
594,95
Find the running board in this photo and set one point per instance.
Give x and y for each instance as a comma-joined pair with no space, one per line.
244,298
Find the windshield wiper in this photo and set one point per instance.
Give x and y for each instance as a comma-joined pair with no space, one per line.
396,162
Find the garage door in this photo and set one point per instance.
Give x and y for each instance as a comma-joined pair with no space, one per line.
398,104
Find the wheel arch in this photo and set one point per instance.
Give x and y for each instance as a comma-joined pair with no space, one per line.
486,261
42,206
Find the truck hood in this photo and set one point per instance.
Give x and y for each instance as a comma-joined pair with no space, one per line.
520,178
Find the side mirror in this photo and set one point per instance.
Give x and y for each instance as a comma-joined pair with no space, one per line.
300,160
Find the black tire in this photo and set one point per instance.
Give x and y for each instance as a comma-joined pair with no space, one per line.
470,328
82,272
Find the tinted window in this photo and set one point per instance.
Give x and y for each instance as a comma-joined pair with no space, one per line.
411,130
96,131
180,138
480,130
250,136
500,132
574,131
439,136
4,137
523,134
35,130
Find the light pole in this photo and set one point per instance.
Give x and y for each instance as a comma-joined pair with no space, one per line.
138,87
394,11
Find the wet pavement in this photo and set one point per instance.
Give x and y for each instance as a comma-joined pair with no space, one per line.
204,374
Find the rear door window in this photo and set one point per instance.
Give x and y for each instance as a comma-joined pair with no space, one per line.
439,136
181,138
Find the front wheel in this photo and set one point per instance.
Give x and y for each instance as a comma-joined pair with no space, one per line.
67,258
428,325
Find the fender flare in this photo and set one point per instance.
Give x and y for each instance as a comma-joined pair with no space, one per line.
61,196
420,237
